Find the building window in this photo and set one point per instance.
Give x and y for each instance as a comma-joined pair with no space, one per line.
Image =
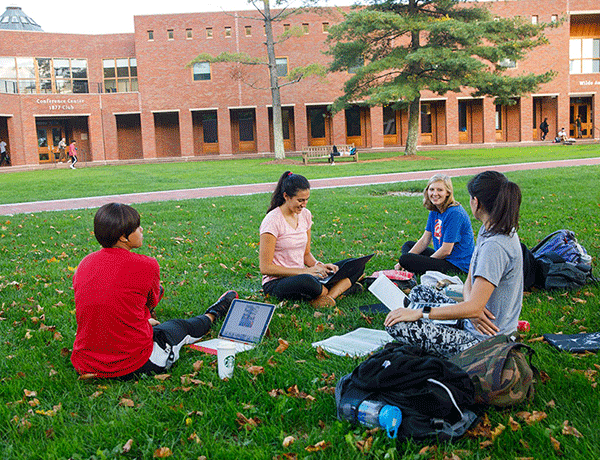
426,124
170,34
209,127
584,55
248,30
209,32
305,28
286,27
462,116
26,75
325,27
228,32
150,35
498,117
201,71
507,63
554,18
188,34
389,120
120,75
282,66
535,19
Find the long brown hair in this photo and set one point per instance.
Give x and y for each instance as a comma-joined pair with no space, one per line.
449,201
290,184
500,198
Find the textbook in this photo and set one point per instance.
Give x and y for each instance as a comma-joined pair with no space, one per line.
359,342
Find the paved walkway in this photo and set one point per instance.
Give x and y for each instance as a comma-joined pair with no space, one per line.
249,189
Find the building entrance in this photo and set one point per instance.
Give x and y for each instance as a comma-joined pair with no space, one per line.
48,136
581,108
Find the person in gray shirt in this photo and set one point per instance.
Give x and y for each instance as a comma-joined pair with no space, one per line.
493,291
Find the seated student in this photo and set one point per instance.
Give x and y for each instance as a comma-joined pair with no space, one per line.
448,226
115,292
289,269
493,292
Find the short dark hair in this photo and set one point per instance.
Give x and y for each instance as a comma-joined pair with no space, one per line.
114,220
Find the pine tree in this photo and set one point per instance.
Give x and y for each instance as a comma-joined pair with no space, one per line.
399,48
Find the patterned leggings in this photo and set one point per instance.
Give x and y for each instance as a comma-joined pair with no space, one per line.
437,339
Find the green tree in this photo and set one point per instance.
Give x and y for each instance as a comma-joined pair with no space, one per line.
268,17
399,48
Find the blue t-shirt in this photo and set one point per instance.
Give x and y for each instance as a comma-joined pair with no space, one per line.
453,226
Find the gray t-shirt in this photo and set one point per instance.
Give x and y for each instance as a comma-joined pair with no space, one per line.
499,259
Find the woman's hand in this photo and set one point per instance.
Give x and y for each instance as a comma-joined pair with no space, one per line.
483,323
402,315
153,322
322,270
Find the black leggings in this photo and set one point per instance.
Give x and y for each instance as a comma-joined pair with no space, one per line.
169,337
420,263
302,287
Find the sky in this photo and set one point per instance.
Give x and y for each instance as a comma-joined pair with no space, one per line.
116,16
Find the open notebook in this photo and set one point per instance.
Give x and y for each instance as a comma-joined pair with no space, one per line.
393,297
245,325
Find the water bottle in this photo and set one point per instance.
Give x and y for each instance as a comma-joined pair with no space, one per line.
375,414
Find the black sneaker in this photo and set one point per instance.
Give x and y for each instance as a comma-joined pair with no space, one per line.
220,307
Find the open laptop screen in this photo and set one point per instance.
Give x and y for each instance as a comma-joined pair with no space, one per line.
246,321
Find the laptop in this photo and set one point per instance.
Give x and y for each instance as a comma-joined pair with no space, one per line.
392,297
349,266
245,325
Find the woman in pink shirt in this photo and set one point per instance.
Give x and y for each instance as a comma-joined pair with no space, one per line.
289,269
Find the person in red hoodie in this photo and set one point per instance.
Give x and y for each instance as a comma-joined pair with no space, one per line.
116,291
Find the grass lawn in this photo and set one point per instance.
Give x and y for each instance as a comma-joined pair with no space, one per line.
63,183
207,246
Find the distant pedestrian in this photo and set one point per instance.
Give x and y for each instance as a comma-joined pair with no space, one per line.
73,153
578,126
62,148
544,128
3,153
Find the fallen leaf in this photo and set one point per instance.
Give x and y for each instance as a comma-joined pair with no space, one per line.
531,417
497,431
162,452
288,441
321,445
162,377
365,446
198,365
246,423
127,446
569,430
555,444
125,402
283,345
255,370
195,438
514,426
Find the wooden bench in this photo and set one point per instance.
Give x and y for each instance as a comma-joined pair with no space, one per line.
324,151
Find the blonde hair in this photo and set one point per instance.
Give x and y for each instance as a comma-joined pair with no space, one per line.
449,201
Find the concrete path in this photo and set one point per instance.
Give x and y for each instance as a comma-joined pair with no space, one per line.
249,189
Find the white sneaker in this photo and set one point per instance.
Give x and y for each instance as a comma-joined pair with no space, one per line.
71,166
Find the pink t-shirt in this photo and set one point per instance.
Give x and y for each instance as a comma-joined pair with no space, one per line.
290,243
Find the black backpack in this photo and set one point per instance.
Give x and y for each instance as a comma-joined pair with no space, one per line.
432,393
553,272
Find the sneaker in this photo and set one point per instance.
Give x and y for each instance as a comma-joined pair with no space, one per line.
72,167
220,308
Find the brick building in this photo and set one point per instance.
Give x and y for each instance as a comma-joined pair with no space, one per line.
134,96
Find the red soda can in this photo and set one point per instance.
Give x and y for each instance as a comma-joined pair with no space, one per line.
524,326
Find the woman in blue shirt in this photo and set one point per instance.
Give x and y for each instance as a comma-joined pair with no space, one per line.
448,228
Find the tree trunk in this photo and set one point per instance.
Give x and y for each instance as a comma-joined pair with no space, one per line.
413,126
275,94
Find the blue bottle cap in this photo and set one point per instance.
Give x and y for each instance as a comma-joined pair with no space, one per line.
390,418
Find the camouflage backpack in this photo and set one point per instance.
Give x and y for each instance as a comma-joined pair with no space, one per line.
501,370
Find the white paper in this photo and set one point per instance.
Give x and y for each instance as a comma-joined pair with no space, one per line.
387,292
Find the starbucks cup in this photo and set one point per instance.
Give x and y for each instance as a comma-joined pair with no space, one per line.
225,358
